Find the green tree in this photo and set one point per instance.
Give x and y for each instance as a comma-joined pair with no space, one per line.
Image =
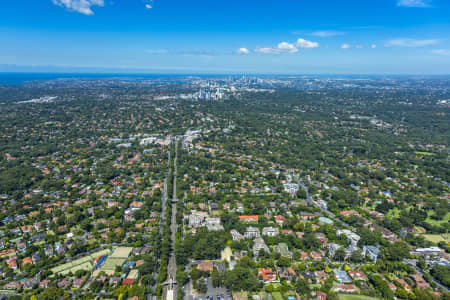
302,286
396,251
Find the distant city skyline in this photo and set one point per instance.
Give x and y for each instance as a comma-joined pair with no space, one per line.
237,36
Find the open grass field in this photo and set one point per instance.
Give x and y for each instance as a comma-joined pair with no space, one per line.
436,238
355,297
431,221
395,213
424,153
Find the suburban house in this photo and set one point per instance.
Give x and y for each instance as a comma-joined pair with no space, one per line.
249,219
315,255
251,232
270,231
206,266
267,275
236,235
357,275
260,245
280,219
353,237
372,252
332,248
420,282
346,288
320,296
290,188
213,224
304,256
431,251
341,276
283,250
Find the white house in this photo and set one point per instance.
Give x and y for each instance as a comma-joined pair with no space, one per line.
252,232
270,231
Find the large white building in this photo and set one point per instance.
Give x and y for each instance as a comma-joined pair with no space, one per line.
353,237
290,188
270,231
431,251
251,232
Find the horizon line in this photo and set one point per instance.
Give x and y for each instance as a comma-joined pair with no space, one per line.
197,73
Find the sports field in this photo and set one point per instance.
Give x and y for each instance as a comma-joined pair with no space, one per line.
117,258
111,263
84,263
133,274
121,252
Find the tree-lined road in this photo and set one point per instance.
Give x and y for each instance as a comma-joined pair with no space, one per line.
170,291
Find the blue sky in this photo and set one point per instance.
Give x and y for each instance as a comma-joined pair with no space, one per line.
233,36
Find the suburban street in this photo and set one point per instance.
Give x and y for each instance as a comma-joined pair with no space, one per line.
413,263
310,201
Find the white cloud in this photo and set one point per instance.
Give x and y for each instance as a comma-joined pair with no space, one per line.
411,43
282,48
327,33
345,46
148,4
285,47
243,51
373,46
414,3
301,43
80,6
441,51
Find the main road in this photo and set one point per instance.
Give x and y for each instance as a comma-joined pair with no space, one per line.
170,291
164,197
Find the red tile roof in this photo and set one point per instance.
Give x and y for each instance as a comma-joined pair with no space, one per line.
128,281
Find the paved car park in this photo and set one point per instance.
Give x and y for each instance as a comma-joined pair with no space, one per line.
213,293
